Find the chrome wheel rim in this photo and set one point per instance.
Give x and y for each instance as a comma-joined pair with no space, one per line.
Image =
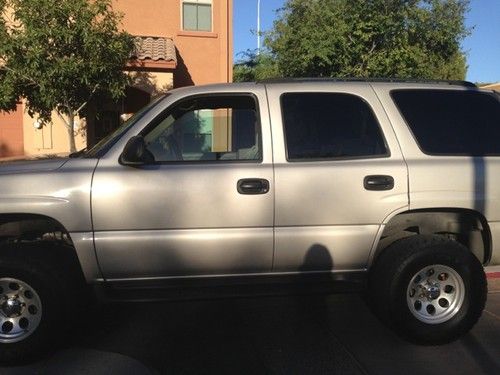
20,310
435,294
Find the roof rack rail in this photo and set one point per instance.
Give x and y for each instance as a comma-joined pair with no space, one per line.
354,79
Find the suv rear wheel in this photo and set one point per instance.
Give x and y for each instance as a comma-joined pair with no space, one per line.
428,288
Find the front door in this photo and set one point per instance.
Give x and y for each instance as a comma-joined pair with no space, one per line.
204,203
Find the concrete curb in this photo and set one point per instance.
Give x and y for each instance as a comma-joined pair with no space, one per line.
493,277
492,272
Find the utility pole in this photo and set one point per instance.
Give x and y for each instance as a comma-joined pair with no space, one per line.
258,27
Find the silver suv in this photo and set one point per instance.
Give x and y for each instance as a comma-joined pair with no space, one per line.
391,184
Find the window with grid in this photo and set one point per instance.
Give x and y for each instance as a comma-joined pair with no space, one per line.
197,15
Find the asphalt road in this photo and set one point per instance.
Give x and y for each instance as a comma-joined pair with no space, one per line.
321,334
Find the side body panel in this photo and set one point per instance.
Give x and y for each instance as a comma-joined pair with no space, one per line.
183,219
62,194
324,217
447,181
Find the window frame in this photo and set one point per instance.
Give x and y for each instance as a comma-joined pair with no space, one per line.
387,153
415,139
197,2
158,119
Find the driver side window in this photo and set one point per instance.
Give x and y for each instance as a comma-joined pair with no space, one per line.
216,128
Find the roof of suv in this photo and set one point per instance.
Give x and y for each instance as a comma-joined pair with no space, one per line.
322,82
370,80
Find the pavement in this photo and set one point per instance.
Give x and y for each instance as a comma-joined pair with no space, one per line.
306,334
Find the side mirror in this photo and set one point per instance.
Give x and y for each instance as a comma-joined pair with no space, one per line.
135,152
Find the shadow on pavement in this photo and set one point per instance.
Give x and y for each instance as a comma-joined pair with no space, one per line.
300,334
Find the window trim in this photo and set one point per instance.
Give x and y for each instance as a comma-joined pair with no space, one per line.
334,159
492,94
197,2
160,116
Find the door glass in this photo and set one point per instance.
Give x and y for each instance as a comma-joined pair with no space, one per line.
217,128
327,126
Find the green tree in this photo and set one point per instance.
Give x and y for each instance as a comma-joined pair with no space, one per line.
60,54
370,38
255,67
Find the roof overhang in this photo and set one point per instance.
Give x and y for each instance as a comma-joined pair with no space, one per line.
152,54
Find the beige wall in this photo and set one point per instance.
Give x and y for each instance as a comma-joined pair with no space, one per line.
52,138
207,56
493,86
154,83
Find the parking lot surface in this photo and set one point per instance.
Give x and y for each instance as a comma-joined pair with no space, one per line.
306,334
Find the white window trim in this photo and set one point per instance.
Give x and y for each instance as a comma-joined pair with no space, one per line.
205,2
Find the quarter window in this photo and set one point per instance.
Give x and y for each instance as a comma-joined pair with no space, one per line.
324,126
197,15
216,128
452,122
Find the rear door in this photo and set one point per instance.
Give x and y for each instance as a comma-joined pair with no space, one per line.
339,174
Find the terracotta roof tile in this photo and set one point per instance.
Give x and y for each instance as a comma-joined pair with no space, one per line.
154,48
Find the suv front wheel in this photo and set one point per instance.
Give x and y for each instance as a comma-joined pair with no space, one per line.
428,288
34,308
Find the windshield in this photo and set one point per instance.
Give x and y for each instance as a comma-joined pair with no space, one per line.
104,144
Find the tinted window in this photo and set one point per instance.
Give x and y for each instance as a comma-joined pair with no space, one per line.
452,122
329,126
206,129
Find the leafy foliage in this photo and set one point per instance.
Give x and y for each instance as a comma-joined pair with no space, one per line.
59,54
370,38
255,67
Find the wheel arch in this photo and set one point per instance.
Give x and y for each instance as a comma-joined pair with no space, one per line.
20,231
22,226
466,226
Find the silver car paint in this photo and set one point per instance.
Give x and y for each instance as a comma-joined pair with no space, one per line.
236,232
322,208
184,219
34,165
62,194
59,189
187,252
447,181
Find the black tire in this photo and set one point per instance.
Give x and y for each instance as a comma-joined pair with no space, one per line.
395,269
48,281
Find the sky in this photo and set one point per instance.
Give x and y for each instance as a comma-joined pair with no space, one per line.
482,46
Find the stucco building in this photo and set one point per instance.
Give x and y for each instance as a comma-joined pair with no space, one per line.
177,43
492,86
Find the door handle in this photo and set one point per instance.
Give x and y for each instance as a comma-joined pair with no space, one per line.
253,186
378,182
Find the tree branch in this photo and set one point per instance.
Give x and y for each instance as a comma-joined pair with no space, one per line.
63,119
88,100
374,45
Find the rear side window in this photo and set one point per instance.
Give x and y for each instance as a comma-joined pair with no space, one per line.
325,126
446,122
